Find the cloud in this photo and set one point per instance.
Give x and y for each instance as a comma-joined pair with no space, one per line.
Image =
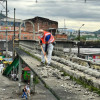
74,11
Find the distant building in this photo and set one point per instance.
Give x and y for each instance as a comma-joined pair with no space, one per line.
10,28
10,22
61,37
42,23
26,28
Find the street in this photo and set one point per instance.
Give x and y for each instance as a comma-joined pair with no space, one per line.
9,91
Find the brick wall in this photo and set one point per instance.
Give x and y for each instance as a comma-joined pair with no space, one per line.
24,35
61,36
42,23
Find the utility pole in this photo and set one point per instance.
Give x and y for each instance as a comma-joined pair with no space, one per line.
14,36
14,23
64,26
6,31
6,28
79,41
1,11
38,24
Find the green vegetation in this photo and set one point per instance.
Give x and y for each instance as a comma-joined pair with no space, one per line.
85,37
87,85
82,81
31,55
36,80
64,73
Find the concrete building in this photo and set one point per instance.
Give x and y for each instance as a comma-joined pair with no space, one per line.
10,22
10,28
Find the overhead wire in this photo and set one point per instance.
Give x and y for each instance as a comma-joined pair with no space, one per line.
2,6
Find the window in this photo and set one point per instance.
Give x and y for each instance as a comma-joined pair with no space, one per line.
16,24
12,23
2,23
8,23
23,25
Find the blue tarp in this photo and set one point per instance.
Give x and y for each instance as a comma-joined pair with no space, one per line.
7,59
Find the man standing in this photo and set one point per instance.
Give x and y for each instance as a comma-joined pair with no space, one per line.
28,89
46,41
24,93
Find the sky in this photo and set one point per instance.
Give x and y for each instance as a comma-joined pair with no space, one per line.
69,13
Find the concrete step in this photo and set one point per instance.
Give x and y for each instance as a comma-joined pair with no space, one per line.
87,75
85,69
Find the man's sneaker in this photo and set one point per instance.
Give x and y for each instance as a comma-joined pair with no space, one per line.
41,65
47,65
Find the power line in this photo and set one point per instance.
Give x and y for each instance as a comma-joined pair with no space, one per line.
2,5
4,8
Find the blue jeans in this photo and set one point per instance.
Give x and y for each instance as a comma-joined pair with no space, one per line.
24,94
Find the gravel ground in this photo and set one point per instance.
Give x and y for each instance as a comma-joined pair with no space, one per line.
66,88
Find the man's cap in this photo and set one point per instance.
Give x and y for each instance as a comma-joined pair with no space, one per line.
41,30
